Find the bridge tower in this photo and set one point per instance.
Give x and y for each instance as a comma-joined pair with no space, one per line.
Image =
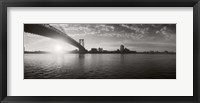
81,42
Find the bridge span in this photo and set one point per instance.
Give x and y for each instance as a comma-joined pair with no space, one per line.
52,32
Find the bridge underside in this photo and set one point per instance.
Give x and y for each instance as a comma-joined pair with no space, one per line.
51,32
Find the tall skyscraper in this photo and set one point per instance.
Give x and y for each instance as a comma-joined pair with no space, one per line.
121,48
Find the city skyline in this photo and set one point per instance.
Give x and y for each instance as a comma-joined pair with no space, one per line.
136,37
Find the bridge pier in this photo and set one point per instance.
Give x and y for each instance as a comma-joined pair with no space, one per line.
82,51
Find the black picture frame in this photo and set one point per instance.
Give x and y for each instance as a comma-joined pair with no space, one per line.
99,3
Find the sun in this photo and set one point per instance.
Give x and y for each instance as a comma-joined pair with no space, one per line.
58,49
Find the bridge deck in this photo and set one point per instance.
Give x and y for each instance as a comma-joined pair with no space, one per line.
51,32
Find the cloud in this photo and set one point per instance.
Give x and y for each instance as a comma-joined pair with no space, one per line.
167,33
136,28
129,31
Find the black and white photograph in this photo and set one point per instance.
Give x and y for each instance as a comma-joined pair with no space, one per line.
99,51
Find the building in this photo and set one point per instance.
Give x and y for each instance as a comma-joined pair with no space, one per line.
121,48
126,50
93,50
100,49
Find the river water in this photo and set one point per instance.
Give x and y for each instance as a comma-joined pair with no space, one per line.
100,66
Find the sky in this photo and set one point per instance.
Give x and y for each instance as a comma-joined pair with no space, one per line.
136,37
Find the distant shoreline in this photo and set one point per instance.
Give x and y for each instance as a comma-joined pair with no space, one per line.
101,53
